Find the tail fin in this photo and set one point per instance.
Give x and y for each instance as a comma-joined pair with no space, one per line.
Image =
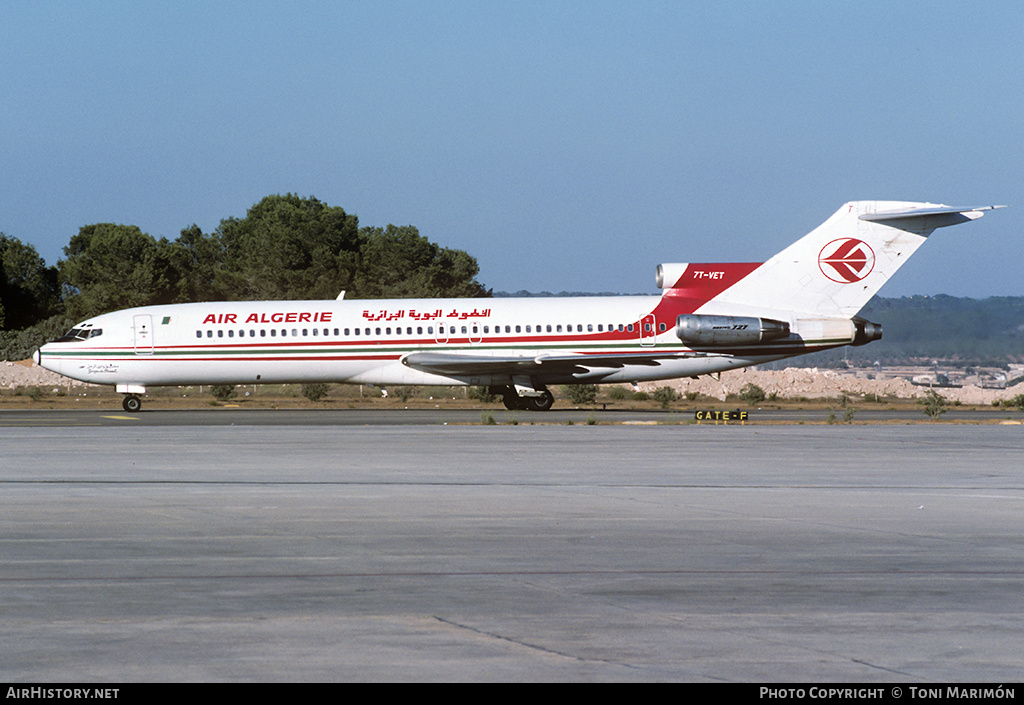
838,266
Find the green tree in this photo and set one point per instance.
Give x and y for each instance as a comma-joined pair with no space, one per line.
195,260
109,267
398,262
29,291
287,247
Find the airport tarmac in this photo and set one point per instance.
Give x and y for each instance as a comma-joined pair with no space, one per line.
308,552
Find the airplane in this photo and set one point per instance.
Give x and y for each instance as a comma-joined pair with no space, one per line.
709,318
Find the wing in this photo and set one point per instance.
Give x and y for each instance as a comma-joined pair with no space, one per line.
459,364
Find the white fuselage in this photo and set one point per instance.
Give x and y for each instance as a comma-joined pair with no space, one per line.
364,341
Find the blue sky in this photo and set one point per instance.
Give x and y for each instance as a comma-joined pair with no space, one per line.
566,145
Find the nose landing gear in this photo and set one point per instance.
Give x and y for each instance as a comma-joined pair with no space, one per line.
131,403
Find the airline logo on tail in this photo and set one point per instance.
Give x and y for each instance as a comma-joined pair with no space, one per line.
846,260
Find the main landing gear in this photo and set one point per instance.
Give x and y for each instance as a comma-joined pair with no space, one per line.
540,400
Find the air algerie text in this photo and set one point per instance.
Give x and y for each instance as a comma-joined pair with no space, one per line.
293,317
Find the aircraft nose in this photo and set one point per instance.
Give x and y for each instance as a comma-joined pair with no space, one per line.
35,356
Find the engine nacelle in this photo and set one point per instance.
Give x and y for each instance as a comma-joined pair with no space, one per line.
666,275
711,331
866,331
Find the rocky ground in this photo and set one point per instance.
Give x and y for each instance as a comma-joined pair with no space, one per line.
797,382
25,373
789,383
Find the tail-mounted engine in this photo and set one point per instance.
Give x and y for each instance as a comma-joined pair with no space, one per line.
710,331
866,331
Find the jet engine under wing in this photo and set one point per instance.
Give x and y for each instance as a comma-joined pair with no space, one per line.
457,364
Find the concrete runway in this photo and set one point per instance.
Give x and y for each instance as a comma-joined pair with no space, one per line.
511,553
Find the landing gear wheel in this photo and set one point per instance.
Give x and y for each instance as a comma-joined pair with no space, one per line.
512,401
131,403
541,403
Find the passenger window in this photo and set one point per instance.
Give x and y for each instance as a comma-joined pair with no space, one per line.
199,334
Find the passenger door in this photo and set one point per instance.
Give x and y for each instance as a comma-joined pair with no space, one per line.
142,326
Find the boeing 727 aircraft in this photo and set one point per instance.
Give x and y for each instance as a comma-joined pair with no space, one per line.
708,318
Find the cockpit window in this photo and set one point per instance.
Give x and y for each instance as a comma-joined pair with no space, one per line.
76,334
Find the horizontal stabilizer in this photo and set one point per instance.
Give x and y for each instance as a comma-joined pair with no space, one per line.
926,218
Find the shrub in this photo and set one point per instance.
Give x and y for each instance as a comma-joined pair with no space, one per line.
483,394
617,394
934,404
581,393
665,396
222,392
404,393
315,391
752,394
